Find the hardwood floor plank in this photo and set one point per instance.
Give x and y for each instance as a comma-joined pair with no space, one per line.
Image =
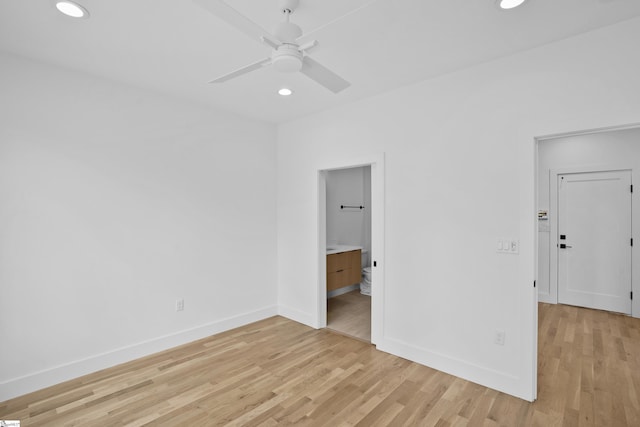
278,372
350,314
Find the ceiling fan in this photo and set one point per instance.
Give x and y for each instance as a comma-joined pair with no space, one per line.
287,55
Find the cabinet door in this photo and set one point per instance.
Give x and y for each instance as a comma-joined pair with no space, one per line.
355,260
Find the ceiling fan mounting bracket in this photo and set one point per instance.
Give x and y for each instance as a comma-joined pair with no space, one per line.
289,6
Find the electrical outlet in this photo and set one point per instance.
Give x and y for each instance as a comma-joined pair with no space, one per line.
180,304
499,338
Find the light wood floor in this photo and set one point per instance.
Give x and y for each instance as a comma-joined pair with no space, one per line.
350,314
280,372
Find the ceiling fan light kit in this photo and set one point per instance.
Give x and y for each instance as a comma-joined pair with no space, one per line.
287,59
287,55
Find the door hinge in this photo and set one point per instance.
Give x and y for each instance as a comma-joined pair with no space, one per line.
631,294
534,283
631,187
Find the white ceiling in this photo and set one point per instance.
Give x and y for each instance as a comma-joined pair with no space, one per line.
175,47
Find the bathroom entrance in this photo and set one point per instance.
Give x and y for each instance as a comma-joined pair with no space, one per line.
351,248
348,237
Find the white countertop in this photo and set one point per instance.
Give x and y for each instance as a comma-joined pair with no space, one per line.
336,249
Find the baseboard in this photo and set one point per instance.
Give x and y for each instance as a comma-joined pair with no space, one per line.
42,379
497,380
546,298
341,291
297,316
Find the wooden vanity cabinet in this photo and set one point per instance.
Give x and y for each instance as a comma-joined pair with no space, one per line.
343,269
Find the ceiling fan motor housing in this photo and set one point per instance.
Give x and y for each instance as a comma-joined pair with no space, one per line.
287,32
287,58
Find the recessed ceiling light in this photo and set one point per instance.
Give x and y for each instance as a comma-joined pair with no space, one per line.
509,4
285,91
72,9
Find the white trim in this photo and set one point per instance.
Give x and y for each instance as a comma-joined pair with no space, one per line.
38,380
587,132
553,237
592,168
321,315
497,380
377,249
297,316
532,337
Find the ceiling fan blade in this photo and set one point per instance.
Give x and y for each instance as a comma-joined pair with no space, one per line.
269,42
322,75
243,70
306,35
234,18
306,47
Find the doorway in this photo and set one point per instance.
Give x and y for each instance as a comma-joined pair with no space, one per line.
348,236
375,167
594,253
586,214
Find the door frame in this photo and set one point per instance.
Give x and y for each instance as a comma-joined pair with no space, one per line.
376,162
553,215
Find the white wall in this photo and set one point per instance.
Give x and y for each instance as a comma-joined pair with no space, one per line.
351,186
460,167
618,149
114,203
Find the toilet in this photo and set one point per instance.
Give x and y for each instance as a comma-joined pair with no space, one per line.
365,285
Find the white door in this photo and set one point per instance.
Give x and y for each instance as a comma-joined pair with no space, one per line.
594,242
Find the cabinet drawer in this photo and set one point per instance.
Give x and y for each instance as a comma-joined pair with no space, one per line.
337,262
338,279
344,260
